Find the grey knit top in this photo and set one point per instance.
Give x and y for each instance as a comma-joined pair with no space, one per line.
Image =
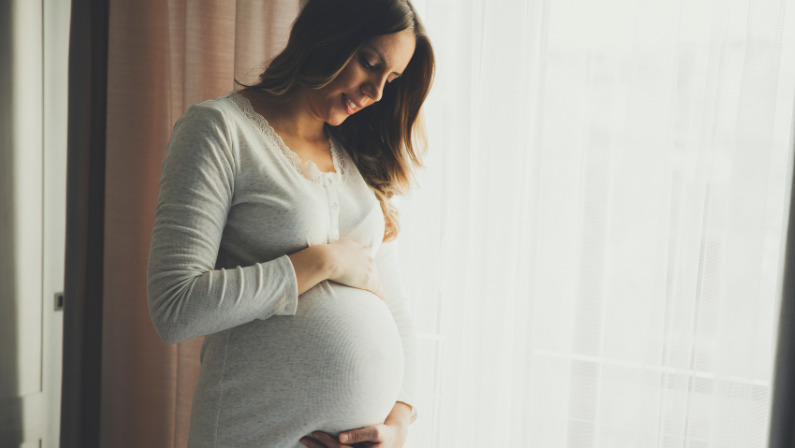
234,201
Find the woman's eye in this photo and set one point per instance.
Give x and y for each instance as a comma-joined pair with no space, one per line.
365,63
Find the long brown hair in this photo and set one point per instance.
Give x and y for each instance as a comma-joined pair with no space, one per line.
386,140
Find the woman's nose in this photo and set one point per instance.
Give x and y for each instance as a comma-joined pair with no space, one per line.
374,88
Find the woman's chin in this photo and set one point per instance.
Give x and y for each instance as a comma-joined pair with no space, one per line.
336,121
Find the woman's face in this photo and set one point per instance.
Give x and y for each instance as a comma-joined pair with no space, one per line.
361,83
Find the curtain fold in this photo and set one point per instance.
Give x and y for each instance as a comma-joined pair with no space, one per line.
163,57
782,419
85,199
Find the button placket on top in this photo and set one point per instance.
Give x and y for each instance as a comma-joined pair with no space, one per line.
334,209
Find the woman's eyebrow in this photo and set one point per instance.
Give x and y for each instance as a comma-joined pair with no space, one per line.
381,56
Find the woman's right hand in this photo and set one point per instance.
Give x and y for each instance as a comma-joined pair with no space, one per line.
352,265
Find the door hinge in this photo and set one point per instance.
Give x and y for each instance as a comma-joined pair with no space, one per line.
59,301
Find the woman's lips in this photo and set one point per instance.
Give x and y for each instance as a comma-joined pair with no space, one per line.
351,106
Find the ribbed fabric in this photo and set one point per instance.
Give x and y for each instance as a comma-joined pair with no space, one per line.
274,366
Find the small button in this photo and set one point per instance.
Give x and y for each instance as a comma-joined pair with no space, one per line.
334,206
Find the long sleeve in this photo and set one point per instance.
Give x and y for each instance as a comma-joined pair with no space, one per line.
188,297
389,271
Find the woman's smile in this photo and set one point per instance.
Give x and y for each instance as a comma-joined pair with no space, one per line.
351,106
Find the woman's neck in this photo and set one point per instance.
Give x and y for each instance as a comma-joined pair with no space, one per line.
293,117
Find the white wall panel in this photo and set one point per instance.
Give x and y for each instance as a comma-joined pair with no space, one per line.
33,86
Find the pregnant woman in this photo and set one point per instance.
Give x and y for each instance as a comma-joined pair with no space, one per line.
273,236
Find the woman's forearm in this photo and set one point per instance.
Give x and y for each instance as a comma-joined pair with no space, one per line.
312,265
400,415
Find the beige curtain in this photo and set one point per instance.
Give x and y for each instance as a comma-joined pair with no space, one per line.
163,57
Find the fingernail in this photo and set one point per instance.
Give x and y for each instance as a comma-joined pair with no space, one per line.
343,438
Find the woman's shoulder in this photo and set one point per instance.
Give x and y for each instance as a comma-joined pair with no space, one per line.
218,108
222,114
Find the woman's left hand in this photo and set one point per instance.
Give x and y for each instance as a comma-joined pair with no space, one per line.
380,436
390,434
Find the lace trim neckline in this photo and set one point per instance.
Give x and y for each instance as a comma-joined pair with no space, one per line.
308,168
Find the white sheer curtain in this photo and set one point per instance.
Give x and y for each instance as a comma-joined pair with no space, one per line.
594,255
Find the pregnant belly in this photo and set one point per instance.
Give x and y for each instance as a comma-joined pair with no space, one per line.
336,365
